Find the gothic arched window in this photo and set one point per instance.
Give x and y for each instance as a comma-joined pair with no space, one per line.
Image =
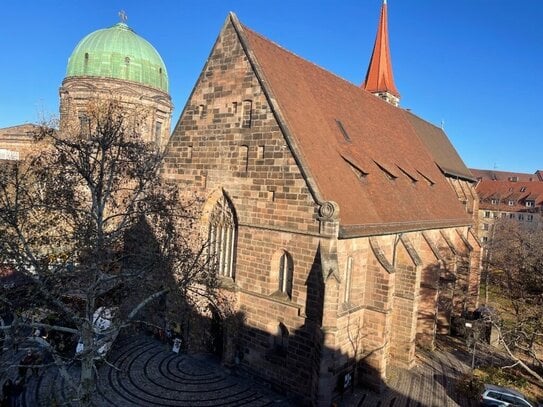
285,274
222,237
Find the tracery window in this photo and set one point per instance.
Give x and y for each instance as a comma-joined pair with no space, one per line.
222,237
285,274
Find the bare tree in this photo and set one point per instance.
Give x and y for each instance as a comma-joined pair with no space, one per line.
92,229
516,267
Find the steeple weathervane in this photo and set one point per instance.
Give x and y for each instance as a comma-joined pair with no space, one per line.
379,78
123,16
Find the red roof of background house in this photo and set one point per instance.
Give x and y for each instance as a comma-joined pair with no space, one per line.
341,132
504,191
493,175
379,77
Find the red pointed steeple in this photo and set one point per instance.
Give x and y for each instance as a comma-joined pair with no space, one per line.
379,78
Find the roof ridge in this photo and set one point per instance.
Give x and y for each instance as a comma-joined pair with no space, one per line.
424,120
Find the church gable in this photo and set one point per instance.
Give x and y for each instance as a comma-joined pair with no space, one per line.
228,137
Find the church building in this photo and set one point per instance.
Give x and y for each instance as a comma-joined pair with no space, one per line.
341,224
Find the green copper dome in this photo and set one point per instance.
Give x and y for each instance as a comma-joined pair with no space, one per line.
118,52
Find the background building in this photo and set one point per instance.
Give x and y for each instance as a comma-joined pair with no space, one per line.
517,197
110,63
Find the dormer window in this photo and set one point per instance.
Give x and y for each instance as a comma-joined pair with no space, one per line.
494,201
510,202
523,189
530,204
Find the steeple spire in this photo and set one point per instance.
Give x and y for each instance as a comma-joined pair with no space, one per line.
379,78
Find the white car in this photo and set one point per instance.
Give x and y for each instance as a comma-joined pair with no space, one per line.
497,396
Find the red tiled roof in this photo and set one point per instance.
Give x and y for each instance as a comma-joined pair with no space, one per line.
379,77
493,175
352,145
504,191
444,153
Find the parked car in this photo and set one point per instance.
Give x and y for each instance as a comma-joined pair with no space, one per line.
497,396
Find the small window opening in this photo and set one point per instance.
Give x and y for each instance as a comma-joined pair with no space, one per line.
247,113
244,158
386,172
234,107
427,179
189,152
260,152
84,124
201,111
285,274
348,280
408,175
158,132
343,131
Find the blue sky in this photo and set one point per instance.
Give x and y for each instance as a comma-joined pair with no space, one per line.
475,65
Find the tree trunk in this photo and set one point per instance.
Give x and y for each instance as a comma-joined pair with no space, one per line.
87,382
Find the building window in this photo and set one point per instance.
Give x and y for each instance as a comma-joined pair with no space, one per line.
504,215
348,280
529,204
244,158
494,201
222,237
485,226
511,203
285,274
84,124
201,111
523,189
529,218
495,215
511,216
158,132
247,113
487,214
485,239
520,216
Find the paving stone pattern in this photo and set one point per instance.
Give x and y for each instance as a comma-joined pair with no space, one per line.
147,373
432,383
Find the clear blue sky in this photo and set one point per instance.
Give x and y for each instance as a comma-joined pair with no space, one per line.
476,65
